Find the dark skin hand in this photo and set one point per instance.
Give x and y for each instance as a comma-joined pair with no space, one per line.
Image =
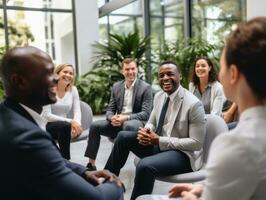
147,137
98,177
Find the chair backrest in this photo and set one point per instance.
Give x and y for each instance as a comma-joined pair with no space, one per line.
86,115
86,120
215,125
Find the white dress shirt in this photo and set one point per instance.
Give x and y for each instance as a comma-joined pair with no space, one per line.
41,122
236,168
127,104
169,114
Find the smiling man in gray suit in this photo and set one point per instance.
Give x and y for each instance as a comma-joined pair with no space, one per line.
129,108
171,142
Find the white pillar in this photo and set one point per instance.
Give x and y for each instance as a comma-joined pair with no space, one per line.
87,31
256,8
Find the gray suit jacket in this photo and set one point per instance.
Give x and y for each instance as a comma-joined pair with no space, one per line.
141,100
186,130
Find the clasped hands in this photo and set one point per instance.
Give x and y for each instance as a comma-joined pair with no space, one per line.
147,137
76,129
118,120
98,177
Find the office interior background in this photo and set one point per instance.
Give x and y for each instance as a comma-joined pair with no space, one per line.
67,30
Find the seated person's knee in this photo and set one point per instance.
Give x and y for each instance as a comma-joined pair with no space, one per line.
131,125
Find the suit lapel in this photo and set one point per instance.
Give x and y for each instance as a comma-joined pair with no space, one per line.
12,104
120,96
18,108
178,100
135,90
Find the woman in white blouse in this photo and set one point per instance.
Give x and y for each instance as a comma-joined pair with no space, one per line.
59,125
205,86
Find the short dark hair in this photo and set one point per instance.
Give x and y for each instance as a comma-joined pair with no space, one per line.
170,62
127,61
212,73
246,48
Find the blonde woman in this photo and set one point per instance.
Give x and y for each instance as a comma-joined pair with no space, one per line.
59,125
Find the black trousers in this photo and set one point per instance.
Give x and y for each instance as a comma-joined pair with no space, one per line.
153,162
61,131
105,128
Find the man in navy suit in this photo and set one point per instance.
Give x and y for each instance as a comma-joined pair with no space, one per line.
129,108
31,165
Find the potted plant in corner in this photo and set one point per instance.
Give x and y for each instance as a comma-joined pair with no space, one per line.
94,87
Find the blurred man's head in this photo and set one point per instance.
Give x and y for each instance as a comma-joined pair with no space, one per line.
169,76
245,55
28,77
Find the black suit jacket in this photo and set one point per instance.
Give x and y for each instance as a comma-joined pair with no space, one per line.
31,166
142,100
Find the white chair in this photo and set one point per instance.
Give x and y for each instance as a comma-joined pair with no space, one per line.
86,120
214,126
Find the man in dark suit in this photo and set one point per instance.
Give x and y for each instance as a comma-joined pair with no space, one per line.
31,165
129,108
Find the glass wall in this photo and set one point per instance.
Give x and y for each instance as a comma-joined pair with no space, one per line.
103,29
101,3
167,20
127,19
2,33
46,24
213,19
59,4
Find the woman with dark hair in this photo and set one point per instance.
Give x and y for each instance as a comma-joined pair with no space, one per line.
236,167
205,86
59,125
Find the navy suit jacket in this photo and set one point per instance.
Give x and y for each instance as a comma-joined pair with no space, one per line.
31,166
142,100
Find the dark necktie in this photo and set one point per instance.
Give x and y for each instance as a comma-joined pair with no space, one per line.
162,116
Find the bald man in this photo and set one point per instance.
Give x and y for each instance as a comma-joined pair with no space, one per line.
31,165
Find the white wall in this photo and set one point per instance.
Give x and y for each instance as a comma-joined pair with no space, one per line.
256,8
67,49
63,27
87,32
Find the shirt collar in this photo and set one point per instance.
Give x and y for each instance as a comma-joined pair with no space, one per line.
173,95
132,85
253,112
37,117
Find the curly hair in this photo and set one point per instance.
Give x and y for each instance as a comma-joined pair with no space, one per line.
212,73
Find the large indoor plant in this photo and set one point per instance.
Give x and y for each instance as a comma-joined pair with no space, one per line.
1,90
94,87
185,52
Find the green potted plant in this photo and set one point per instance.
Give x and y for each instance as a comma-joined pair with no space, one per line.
94,87
1,91
184,54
